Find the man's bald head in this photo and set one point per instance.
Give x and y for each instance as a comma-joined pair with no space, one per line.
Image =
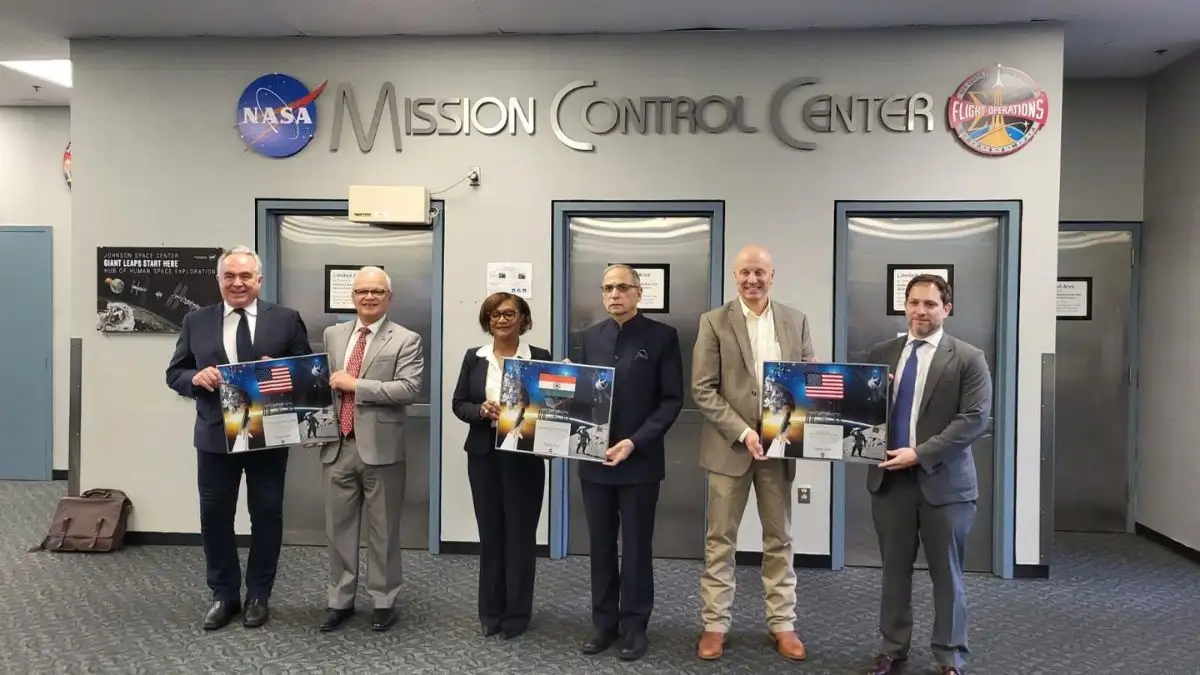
754,272
753,255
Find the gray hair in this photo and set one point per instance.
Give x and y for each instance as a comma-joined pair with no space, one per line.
371,269
637,278
240,250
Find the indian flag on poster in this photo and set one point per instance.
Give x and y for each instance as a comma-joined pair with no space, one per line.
556,385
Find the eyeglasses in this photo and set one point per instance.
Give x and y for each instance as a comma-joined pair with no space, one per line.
620,288
507,315
363,292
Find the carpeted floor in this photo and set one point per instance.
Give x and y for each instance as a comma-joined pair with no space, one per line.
1115,605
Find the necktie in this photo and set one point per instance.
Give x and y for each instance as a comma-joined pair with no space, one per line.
346,414
898,436
242,342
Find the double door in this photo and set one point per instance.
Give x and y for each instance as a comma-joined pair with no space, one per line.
679,247
310,246
880,253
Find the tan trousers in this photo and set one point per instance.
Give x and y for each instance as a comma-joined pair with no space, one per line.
727,497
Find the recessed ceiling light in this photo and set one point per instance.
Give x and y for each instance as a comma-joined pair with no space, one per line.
57,71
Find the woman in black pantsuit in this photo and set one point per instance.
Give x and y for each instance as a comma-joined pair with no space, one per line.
506,487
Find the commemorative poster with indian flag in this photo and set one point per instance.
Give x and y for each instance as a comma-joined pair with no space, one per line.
555,409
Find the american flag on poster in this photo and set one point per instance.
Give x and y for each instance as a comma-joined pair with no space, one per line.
556,385
273,379
823,385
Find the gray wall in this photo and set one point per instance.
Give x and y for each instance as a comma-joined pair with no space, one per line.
33,192
160,161
1103,149
1169,426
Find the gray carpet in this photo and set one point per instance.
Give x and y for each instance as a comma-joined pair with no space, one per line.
1116,604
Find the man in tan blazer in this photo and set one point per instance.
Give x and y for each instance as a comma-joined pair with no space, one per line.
377,367
727,368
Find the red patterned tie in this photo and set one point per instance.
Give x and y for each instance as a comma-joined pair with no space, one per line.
356,358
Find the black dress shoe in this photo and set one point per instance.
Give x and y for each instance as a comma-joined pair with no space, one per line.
599,642
512,630
221,613
885,665
490,629
382,619
334,618
634,647
256,613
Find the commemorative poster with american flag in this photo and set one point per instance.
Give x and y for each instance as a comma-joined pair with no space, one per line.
276,403
555,409
830,411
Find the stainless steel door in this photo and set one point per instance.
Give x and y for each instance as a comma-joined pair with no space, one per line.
683,243
972,246
1091,440
307,245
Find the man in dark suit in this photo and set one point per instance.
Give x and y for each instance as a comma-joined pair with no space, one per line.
926,490
621,493
241,328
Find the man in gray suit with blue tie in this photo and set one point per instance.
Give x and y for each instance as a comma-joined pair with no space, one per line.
377,368
925,492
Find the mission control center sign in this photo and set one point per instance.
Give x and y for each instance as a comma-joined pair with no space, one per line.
994,111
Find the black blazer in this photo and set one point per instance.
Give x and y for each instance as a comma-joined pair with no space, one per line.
647,394
278,332
469,395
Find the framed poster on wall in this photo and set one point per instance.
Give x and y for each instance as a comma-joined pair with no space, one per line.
898,277
339,284
656,286
149,289
1074,301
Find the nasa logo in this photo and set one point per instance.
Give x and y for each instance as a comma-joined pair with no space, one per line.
277,115
67,165
997,111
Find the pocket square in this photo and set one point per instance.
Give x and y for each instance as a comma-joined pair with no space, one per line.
641,354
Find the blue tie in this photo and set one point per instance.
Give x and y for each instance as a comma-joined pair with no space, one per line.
902,404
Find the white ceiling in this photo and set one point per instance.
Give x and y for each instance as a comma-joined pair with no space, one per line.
1104,38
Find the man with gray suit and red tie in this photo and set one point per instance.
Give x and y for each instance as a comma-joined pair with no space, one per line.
925,492
380,376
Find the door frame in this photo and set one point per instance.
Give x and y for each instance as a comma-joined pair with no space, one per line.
47,234
1132,334
562,211
266,242
1004,411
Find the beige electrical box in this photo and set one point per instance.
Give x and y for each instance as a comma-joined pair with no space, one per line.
390,204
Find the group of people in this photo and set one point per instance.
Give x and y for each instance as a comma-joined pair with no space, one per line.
925,492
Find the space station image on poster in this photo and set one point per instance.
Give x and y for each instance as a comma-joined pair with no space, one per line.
830,411
277,402
555,409
150,289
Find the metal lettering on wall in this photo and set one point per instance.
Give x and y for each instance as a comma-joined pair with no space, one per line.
796,113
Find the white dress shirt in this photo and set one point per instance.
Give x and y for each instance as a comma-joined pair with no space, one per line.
372,331
924,359
229,328
495,372
764,345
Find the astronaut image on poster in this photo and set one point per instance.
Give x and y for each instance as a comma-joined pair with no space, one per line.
830,411
555,409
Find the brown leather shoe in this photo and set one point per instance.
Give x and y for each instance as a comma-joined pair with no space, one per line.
884,665
712,645
789,644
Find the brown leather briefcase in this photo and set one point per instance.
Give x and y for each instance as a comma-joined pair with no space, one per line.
93,522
